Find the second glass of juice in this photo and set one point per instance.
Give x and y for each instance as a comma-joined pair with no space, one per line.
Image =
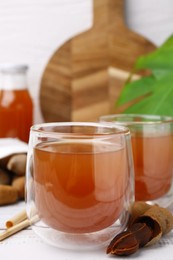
152,145
79,183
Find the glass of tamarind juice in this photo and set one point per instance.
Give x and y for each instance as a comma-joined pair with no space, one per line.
152,145
80,183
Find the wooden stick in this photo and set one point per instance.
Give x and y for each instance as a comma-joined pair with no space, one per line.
18,227
16,219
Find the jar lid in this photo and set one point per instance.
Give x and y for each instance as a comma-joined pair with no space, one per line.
13,68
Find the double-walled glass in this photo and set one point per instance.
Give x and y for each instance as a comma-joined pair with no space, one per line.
152,145
79,183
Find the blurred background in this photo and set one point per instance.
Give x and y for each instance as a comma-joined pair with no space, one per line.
32,30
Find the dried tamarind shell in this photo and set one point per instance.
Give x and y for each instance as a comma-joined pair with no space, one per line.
159,219
138,208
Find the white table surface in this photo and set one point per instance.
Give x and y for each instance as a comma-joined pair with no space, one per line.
27,245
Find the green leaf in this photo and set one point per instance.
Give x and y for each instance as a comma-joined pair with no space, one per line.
159,102
157,60
156,91
168,43
136,89
160,62
160,73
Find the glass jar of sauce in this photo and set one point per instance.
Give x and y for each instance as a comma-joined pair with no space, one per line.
16,107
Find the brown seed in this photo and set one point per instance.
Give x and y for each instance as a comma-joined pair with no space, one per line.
142,232
124,243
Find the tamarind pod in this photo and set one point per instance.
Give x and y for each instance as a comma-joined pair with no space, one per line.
17,164
4,177
19,184
8,195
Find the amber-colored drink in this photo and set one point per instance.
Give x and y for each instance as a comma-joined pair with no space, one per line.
80,187
153,162
15,114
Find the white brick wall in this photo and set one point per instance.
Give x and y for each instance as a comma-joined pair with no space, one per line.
151,18
31,30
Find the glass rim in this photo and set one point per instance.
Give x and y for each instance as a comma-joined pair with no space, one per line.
161,119
116,130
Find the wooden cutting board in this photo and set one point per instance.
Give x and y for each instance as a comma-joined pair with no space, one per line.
83,78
